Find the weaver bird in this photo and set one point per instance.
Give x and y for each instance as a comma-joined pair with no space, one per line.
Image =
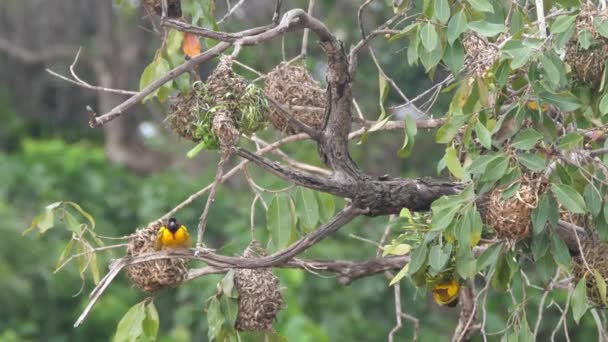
446,292
173,235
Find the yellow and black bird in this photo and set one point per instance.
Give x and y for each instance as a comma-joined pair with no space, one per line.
446,292
173,235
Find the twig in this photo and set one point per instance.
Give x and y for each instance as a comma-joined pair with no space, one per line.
540,15
311,6
202,222
230,11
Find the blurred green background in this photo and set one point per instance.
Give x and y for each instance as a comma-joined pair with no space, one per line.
134,170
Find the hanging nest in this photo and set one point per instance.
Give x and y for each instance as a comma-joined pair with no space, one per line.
174,8
152,276
596,255
292,85
480,54
510,217
216,112
588,64
260,298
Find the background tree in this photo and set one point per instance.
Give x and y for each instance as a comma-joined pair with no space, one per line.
523,102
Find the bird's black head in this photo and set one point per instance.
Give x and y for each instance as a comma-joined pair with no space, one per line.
173,225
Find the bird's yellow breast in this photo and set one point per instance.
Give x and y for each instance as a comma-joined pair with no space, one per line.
167,239
446,292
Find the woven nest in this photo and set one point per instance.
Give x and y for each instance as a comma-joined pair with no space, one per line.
510,218
218,111
480,54
174,8
291,86
596,256
152,276
588,64
260,299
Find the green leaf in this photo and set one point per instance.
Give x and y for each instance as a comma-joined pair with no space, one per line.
483,135
466,264
518,52
64,253
603,106
409,29
442,11
600,283
540,214
402,273
307,208
571,141
552,72
174,42
396,249
430,59
384,88
439,257
226,285
280,221
487,29
442,219
454,57
428,36
526,140
562,24
579,300
196,149
489,256
564,100
411,129
480,163
560,251
501,280
532,161
585,39
412,50
569,198
130,327
446,133
593,199
417,260
327,206
456,26
601,25
151,322
154,71
215,318
72,223
496,169
230,310
453,163
481,5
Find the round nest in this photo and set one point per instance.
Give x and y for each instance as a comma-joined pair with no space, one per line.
480,54
174,7
596,256
260,299
510,218
216,112
291,86
588,64
152,276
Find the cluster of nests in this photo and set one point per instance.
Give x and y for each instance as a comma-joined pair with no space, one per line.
588,64
480,54
216,112
260,298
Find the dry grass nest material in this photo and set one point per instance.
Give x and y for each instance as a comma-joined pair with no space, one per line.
480,54
588,64
216,112
292,85
152,276
596,256
260,298
510,217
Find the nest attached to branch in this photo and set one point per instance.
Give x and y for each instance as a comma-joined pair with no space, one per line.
480,54
260,298
510,217
218,111
292,85
152,276
596,255
588,64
